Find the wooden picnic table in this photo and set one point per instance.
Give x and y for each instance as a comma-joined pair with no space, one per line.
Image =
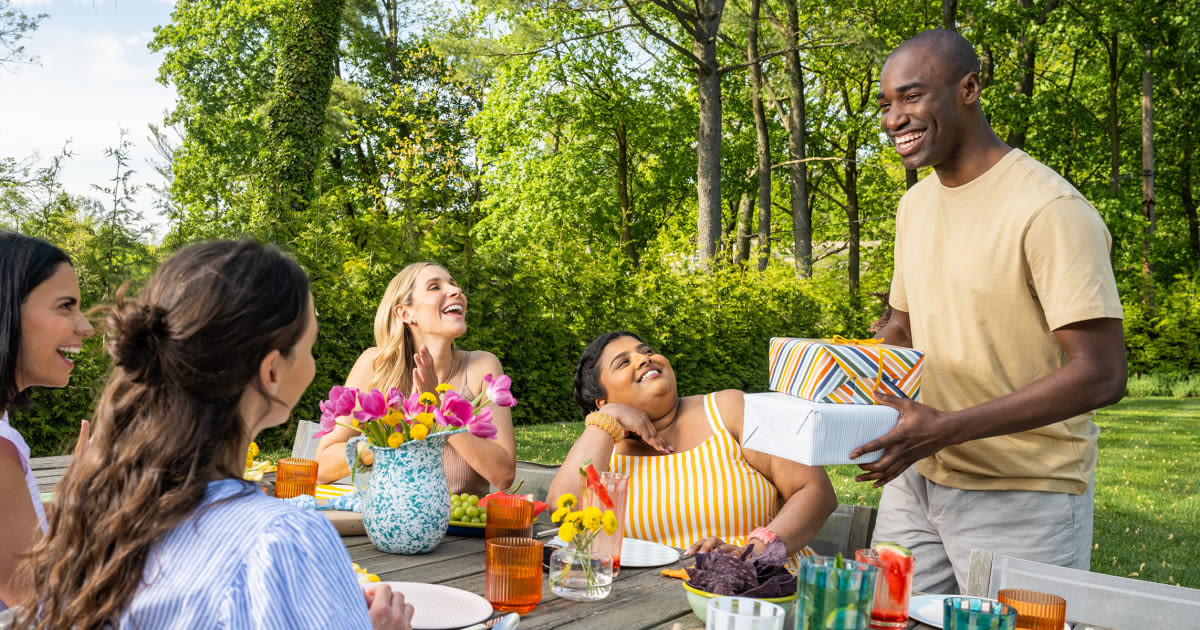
641,598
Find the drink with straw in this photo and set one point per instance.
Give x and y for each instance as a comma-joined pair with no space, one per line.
834,594
893,585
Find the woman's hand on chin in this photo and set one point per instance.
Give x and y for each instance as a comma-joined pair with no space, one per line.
637,422
424,376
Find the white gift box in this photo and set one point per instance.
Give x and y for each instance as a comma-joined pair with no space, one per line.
817,434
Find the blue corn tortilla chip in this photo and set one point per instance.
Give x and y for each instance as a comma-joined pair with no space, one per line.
725,573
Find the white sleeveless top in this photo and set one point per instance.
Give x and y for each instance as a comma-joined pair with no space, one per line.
7,432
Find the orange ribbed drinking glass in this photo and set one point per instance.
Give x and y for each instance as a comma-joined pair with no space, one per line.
1035,610
513,578
295,476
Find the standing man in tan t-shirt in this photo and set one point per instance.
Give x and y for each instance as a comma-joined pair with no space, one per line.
1002,277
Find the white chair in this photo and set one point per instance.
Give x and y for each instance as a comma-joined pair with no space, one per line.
305,446
847,530
1093,599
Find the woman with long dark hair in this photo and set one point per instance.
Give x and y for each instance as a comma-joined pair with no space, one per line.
155,527
41,327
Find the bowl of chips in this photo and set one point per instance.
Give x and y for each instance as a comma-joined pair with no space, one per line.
717,573
699,601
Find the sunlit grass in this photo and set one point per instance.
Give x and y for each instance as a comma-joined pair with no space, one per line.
1147,523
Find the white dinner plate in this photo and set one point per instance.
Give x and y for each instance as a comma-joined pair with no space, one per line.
636,553
928,610
438,607
643,553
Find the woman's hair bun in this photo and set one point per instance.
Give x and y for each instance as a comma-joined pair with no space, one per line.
138,333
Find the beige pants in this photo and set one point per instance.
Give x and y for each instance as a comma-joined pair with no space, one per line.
941,525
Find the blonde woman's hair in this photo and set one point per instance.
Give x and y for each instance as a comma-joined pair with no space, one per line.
394,364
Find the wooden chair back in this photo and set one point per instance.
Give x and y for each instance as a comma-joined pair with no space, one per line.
847,529
1093,599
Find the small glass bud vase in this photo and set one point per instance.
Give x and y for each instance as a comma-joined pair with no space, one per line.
581,575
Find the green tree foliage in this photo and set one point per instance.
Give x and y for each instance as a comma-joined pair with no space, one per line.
15,25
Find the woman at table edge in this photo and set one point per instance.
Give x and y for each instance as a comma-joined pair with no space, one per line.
40,324
636,421
155,527
422,312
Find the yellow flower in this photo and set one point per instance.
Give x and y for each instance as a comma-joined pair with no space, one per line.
609,521
591,517
393,418
395,439
574,517
567,500
251,453
445,387
427,399
559,514
354,422
418,431
426,419
567,531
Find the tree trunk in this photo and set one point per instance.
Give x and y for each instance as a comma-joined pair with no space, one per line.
762,140
623,193
296,114
1188,201
798,171
949,14
852,266
1027,45
708,141
1114,129
1147,164
745,212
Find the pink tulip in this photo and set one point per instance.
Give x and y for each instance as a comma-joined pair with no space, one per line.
481,425
328,418
343,399
455,411
373,406
498,390
395,400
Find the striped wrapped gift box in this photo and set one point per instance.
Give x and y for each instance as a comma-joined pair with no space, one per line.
843,370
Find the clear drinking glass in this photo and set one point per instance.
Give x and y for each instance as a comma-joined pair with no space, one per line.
617,487
893,588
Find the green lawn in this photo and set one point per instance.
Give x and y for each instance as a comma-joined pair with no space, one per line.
1147,522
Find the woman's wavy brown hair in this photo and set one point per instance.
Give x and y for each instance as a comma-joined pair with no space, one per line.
167,423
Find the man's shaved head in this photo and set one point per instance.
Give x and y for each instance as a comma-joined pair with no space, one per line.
953,54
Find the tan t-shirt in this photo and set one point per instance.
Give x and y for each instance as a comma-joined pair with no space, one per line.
986,271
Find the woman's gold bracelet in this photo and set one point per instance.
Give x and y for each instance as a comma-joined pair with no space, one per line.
608,423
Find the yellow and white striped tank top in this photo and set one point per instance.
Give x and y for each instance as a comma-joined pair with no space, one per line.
710,490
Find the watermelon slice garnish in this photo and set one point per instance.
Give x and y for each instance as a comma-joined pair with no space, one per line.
896,560
593,484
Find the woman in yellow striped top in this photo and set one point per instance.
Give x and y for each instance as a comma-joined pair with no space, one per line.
691,484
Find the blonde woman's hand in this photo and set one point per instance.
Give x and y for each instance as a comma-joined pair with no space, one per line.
387,608
424,377
85,438
637,422
364,454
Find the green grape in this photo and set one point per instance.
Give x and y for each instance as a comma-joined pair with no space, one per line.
472,500
483,517
457,514
472,511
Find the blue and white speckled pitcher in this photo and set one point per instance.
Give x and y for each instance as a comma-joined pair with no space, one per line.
406,501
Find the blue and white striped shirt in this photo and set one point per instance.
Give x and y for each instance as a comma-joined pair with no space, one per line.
250,562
